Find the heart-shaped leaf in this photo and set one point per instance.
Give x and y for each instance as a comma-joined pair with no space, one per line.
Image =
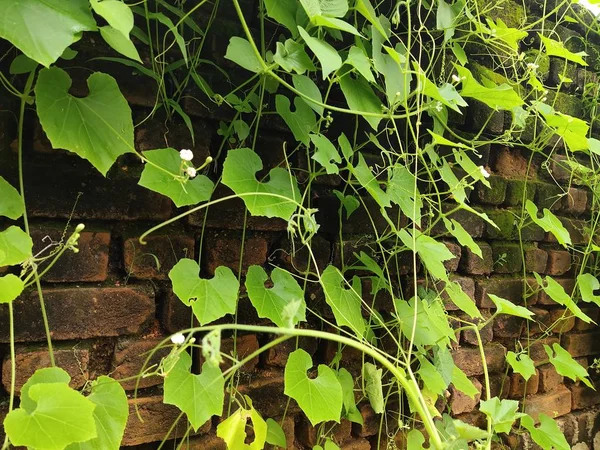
11,205
233,429
11,287
15,246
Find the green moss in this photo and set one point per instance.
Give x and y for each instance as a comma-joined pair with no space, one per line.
515,190
506,222
566,104
512,13
507,257
542,61
495,194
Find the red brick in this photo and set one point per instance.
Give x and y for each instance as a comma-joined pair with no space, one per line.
309,435
174,315
584,344
74,360
89,264
356,444
575,202
155,259
157,419
553,404
130,356
499,385
371,421
452,264
519,387
536,349
461,402
472,264
559,262
487,333
224,249
535,260
266,392
506,326
205,442
509,288
561,321
81,313
466,284
277,356
244,346
511,163
580,325
549,378
469,359
583,397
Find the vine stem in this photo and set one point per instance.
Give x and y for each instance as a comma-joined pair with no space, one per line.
13,365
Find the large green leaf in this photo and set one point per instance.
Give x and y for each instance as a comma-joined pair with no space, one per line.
308,87
272,303
11,203
282,193
587,284
565,365
15,246
327,8
462,383
556,292
44,375
110,415
556,48
402,189
11,287
431,326
284,12
498,97
359,60
233,429
120,42
362,172
61,417
547,435
210,299
301,122
361,98
169,180
549,222
327,55
346,303
240,51
461,299
507,307
44,29
97,127
503,413
432,253
199,396
320,398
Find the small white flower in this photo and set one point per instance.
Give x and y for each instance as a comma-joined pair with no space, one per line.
484,172
191,172
178,339
532,66
186,155
438,106
455,78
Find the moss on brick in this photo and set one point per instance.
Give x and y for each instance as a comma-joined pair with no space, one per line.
495,194
507,257
566,104
512,13
515,190
506,223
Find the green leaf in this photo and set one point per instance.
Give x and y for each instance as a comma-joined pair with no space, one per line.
43,30
432,253
431,377
549,223
241,52
170,181
365,8
15,246
557,293
336,24
503,413
361,99
320,398
291,56
415,440
172,29
345,303
460,54
22,64
239,172
431,326
11,205
327,55
521,364
462,383
326,154
365,177
402,190
327,8
572,130
11,287
301,122
271,303
97,127
199,396
497,97
45,375
350,411
565,365
506,307
461,235
547,435
118,15
120,42
61,416
445,18
110,415
556,48
358,59
349,202
308,87
373,386
284,12
461,299
587,284
511,36
275,434
210,299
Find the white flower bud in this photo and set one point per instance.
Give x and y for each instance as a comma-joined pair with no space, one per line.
191,172
186,155
455,78
178,339
484,172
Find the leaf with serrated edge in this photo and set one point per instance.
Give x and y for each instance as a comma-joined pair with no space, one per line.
547,435
503,413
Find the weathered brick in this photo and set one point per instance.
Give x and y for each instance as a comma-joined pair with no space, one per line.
468,359
266,392
507,326
499,385
559,262
73,359
583,344
174,315
81,313
309,435
519,190
584,397
371,421
157,418
129,359
472,264
507,257
560,320
277,356
244,346
580,325
451,265
155,259
486,333
224,249
508,288
535,259
554,404
356,444
89,264
549,378
575,202
460,402
536,349
519,387
295,257
510,163
494,195
205,442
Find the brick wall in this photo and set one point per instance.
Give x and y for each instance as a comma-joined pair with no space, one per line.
111,303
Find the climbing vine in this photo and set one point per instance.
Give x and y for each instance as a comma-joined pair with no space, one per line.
369,91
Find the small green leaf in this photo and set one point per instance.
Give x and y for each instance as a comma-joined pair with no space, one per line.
170,181
415,440
291,56
15,246
345,302
327,55
373,386
97,127
587,284
327,8
284,12
521,364
61,416
431,326
431,377
271,303
210,299
350,412
361,99
11,287
557,293
241,52
503,413
116,13
349,202
326,154
497,97
199,396
336,24
547,435
275,434
43,30
460,298
445,18
549,223
572,130
12,204
308,87
120,42
320,398
511,36
432,253
301,122
402,190
506,307
365,8
460,54
277,197
556,48
565,365
461,235
22,64
463,384
365,177
358,59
